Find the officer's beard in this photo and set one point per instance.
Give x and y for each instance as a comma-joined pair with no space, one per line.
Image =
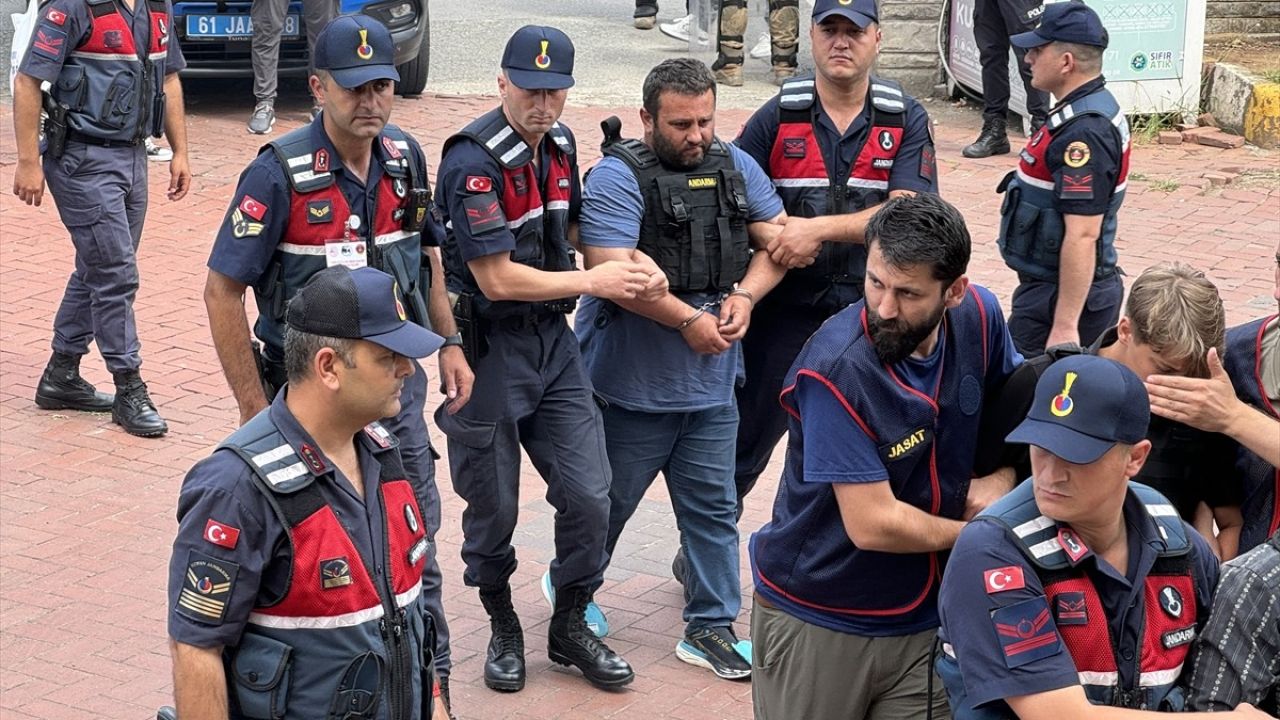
670,154
895,340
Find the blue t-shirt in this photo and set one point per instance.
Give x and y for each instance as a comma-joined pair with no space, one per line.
634,362
913,168
969,610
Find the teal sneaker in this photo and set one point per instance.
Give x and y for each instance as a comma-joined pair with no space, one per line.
716,649
596,621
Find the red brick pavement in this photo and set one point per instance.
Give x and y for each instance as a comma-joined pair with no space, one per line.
86,512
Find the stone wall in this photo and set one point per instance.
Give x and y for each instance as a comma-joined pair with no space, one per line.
909,53
1243,16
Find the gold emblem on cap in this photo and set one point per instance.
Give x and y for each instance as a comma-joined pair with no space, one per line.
365,50
1062,405
395,295
543,61
845,2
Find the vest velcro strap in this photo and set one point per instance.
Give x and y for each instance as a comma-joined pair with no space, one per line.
887,96
797,93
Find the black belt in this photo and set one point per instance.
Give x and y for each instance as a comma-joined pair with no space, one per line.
77,136
1026,279
524,321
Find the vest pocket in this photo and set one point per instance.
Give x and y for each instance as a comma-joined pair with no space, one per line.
117,104
71,87
261,672
360,689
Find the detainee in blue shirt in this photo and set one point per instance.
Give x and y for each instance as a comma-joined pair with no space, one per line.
667,368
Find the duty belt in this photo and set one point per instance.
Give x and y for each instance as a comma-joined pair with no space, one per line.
77,136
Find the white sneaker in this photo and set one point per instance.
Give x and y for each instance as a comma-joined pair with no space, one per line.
680,29
763,47
156,153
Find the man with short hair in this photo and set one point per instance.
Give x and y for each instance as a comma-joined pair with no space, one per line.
1076,596
667,366
348,189
837,145
884,403
1058,221
295,584
510,196
1172,317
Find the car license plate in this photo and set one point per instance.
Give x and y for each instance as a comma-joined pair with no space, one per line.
233,26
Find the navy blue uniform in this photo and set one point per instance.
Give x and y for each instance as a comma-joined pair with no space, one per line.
780,328
244,250
101,191
989,583
531,388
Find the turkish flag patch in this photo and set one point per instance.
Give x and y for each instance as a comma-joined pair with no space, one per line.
1026,631
479,184
1075,186
221,534
57,17
484,213
1002,579
251,207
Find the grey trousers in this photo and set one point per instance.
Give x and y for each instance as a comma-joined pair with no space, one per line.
800,670
268,24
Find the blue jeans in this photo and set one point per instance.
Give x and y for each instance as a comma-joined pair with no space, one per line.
695,451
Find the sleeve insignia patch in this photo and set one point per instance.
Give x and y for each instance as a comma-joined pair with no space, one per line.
484,212
207,588
1075,186
243,227
1026,631
49,41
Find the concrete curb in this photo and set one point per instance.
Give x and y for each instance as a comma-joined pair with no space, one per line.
1243,103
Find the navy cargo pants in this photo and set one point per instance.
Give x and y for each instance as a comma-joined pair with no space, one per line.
531,391
101,194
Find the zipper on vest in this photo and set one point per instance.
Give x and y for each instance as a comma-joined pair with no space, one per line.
392,626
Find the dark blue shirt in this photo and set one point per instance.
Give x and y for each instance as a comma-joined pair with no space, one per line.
246,259
219,500
839,150
1096,151
966,607
43,60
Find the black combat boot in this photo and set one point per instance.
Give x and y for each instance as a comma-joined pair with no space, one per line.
444,695
571,642
504,662
993,140
133,409
62,388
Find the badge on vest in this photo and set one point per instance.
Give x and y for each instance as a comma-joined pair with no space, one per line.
520,184
701,183
793,147
207,587
886,140
904,447
1174,638
1072,545
1070,608
410,518
1171,601
418,551
1026,632
335,573
563,183
319,211
320,163
113,39
399,187
882,163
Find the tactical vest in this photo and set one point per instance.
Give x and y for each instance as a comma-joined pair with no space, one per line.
537,214
695,221
1169,609
318,213
1261,479
344,635
1031,228
113,89
809,188
926,443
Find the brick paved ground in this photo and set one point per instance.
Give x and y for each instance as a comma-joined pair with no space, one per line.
86,512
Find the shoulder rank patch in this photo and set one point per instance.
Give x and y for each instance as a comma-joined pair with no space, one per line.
1026,631
243,227
479,184
793,147
206,588
1071,608
393,152
335,573
1002,579
319,211
484,212
1075,185
911,444
49,41
928,163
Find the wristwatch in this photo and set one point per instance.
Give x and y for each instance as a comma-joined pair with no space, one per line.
454,340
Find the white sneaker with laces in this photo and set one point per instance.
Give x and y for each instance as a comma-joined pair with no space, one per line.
763,47
679,29
156,153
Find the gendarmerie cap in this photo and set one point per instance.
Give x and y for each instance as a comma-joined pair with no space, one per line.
360,304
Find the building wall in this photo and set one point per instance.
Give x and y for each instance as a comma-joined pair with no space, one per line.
1243,16
909,52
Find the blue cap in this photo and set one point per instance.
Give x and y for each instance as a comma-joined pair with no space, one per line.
860,12
539,58
355,49
1084,405
1071,22
360,304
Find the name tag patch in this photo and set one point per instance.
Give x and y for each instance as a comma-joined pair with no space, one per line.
911,444
882,163
1174,638
698,183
